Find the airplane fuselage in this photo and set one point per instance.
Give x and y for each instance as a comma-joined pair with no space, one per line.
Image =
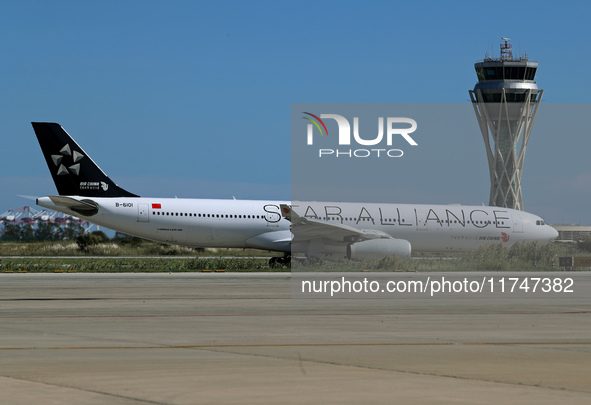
259,223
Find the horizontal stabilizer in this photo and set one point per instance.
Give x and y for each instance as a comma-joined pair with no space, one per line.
28,197
84,207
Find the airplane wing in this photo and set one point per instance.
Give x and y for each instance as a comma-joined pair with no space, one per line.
316,237
279,241
311,228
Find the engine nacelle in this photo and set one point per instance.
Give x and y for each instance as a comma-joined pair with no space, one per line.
376,249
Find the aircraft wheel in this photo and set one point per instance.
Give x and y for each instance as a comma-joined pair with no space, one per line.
285,260
275,262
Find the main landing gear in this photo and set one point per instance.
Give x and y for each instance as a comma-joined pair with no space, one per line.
280,261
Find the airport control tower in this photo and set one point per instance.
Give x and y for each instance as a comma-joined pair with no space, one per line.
506,100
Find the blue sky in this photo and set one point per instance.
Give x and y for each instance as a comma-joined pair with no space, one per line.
193,98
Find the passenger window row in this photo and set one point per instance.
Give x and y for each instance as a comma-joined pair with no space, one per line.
191,214
402,220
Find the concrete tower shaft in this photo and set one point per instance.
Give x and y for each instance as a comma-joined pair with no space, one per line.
506,100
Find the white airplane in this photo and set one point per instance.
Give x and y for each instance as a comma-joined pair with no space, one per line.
316,229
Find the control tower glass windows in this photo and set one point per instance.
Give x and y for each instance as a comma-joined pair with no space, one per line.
510,97
480,73
505,72
515,97
493,73
491,97
530,73
514,72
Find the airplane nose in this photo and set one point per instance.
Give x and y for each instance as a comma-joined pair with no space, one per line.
553,233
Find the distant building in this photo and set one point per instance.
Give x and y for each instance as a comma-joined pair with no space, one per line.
572,232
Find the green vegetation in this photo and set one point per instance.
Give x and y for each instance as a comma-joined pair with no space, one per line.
113,256
87,240
44,231
96,245
144,265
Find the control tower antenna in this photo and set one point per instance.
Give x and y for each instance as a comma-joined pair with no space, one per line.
506,100
506,50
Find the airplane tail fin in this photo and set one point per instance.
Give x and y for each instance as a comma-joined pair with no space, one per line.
73,171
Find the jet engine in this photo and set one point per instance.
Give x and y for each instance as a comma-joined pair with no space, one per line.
376,249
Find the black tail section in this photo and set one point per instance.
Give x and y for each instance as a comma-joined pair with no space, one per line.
73,171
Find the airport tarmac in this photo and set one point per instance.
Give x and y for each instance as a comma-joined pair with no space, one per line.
193,338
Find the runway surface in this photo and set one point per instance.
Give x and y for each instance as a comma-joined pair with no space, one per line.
197,338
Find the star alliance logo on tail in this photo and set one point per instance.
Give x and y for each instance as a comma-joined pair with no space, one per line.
67,154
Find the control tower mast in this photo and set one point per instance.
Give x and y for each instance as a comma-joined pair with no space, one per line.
506,100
